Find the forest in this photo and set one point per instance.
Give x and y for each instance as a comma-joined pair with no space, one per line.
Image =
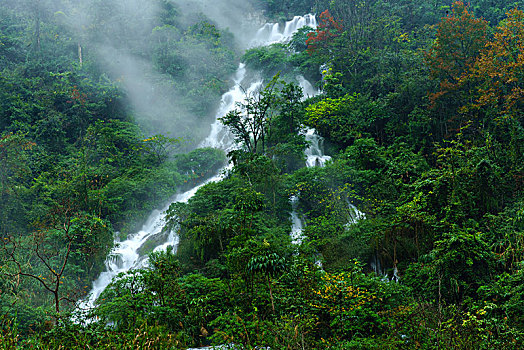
411,221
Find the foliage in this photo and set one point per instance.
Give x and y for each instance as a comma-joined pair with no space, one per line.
460,40
251,121
413,232
327,30
269,59
501,66
343,119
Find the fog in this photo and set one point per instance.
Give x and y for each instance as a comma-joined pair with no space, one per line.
239,17
125,37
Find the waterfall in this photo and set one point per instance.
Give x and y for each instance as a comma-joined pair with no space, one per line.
127,254
272,33
307,88
296,222
314,157
355,215
219,136
314,153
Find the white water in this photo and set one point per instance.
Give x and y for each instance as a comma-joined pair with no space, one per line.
272,33
307,89
315,152
296,223
126,254
355,215
314,157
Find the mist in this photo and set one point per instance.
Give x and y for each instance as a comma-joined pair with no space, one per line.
239,17
172,77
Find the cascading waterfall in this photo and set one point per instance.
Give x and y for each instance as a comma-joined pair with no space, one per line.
314,153
354,214
296,222
271,33
307,89
127,254
314,157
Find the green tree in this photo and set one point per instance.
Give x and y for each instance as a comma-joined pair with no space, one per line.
269,264
250,122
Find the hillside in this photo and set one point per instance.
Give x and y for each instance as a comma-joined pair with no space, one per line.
176,175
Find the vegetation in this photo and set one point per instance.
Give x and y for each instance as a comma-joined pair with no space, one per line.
421,109
75,165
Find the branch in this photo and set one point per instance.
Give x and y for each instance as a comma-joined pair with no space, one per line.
44,260
11,255
66,258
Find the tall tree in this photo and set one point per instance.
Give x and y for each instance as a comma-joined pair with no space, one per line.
501,67
327,30
460,39
250,121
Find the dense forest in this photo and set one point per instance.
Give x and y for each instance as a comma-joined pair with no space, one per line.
413,231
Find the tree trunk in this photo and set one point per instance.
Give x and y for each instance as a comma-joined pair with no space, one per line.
271,294
57,302
80,58
37,30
